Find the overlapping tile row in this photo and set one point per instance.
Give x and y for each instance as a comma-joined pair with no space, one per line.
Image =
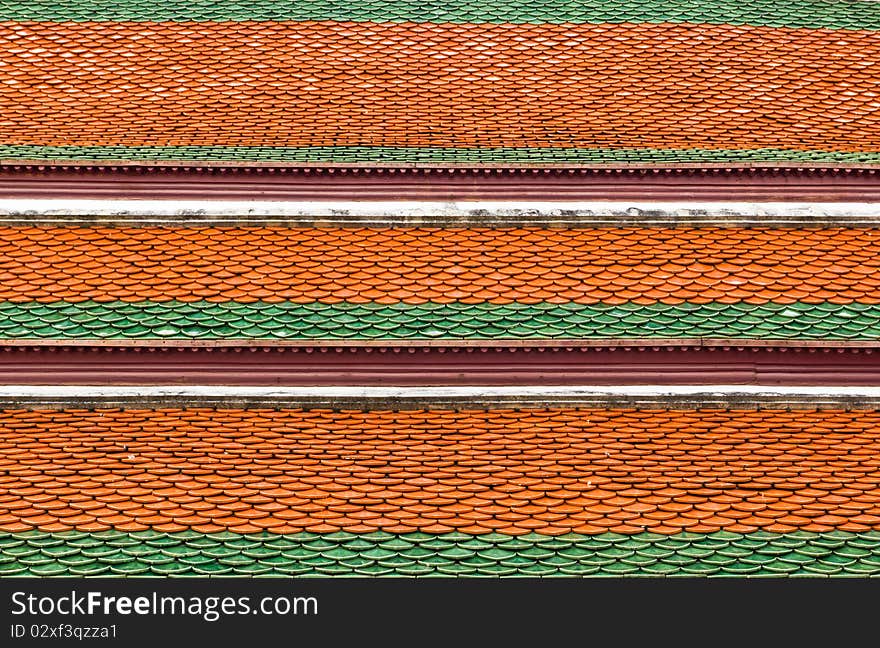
254,322
392,155
541,492
401,283
799,13
550,471
349,91
189,554
527,265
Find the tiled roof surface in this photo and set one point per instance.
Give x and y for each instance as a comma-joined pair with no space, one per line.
550,471
480,492
527,265
113,553
406,82
316,321
434,283
834,14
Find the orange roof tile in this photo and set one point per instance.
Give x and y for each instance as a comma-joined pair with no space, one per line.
418,265
517,470
340,90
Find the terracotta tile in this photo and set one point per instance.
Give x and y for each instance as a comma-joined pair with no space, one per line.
424,482
361,278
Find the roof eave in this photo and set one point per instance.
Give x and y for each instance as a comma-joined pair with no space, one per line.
751,181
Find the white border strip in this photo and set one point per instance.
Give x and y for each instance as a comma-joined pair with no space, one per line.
247,391
458,397
457,212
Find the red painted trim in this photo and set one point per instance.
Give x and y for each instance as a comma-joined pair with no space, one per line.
264,182
436,366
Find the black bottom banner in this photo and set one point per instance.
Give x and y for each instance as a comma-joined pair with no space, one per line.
414,612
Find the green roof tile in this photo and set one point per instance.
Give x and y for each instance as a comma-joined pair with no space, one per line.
798,13
355,154
345,554
99,320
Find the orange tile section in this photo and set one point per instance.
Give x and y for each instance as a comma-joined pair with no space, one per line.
415,266
295,84
550,471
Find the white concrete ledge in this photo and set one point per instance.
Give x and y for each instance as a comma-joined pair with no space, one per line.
458,397
473,212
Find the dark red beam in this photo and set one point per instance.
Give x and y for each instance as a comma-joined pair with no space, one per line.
437,366
266,182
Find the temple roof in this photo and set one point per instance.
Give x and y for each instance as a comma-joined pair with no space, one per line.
194,243
473,470
530,491
397,83
442,283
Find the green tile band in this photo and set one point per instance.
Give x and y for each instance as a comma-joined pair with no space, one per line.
234,320
187,554
404,155
834,14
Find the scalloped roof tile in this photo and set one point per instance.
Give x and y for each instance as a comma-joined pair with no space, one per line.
475,471
278,283
402,82
187,554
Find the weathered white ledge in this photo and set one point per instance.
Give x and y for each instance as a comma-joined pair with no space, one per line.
458,397
406,212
